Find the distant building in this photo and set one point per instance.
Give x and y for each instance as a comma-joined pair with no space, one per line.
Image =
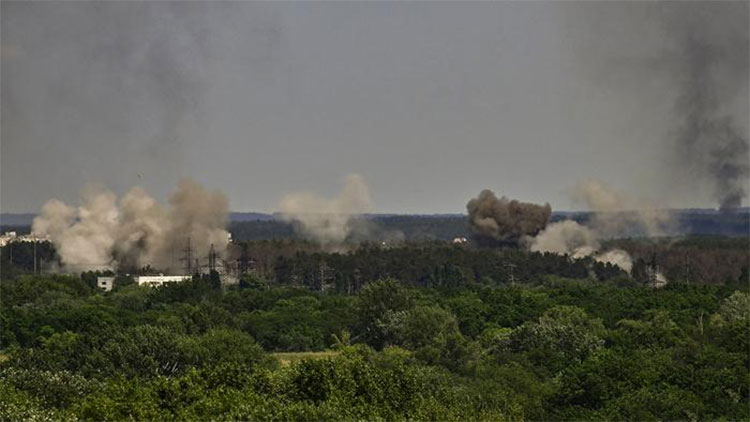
6,238
10,237
105,283
158,280
460,240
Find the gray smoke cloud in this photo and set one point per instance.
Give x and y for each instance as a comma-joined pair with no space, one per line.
618,215
329,221
85,237
129,81
614,215
708,139
104,233
687,65
495,220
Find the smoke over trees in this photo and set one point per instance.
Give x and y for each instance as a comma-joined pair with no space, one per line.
614,215
500,221
496,221
686,65
570,238
328,221
104,233
619,215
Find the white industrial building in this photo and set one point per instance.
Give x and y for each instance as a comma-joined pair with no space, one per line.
158,280
9,237
107,283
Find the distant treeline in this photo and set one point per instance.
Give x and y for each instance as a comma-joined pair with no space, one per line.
407,227
448,227
693,260
258,226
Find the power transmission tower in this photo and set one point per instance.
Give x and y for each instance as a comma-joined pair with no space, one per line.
653,272
511,275
244,259
188,257
211,259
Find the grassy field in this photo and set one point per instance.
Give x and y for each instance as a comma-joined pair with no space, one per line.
286,358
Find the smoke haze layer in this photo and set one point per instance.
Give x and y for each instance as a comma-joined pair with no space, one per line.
553,91
104,233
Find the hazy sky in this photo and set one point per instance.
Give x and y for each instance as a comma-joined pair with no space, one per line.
429,102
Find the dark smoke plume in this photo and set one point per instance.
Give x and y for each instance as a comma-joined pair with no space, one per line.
713,145
683,64
501,221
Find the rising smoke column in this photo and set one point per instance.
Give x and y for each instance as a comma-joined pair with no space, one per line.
104,233
683,64
141,233
200,214
713,146
496,221
84,238
708,60
328,221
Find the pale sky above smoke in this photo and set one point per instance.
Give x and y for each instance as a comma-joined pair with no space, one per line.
429,102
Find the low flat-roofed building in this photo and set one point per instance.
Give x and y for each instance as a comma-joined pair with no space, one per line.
105,283
158,280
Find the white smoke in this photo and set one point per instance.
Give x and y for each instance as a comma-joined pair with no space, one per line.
570,238
566,237
614,214
54,218
616,257
328,220
618,215
104,233
89,240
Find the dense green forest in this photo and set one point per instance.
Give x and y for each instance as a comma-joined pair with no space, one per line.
422,331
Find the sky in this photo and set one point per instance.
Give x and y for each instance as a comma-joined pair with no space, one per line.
430,102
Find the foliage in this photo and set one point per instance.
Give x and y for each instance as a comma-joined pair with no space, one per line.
429,332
